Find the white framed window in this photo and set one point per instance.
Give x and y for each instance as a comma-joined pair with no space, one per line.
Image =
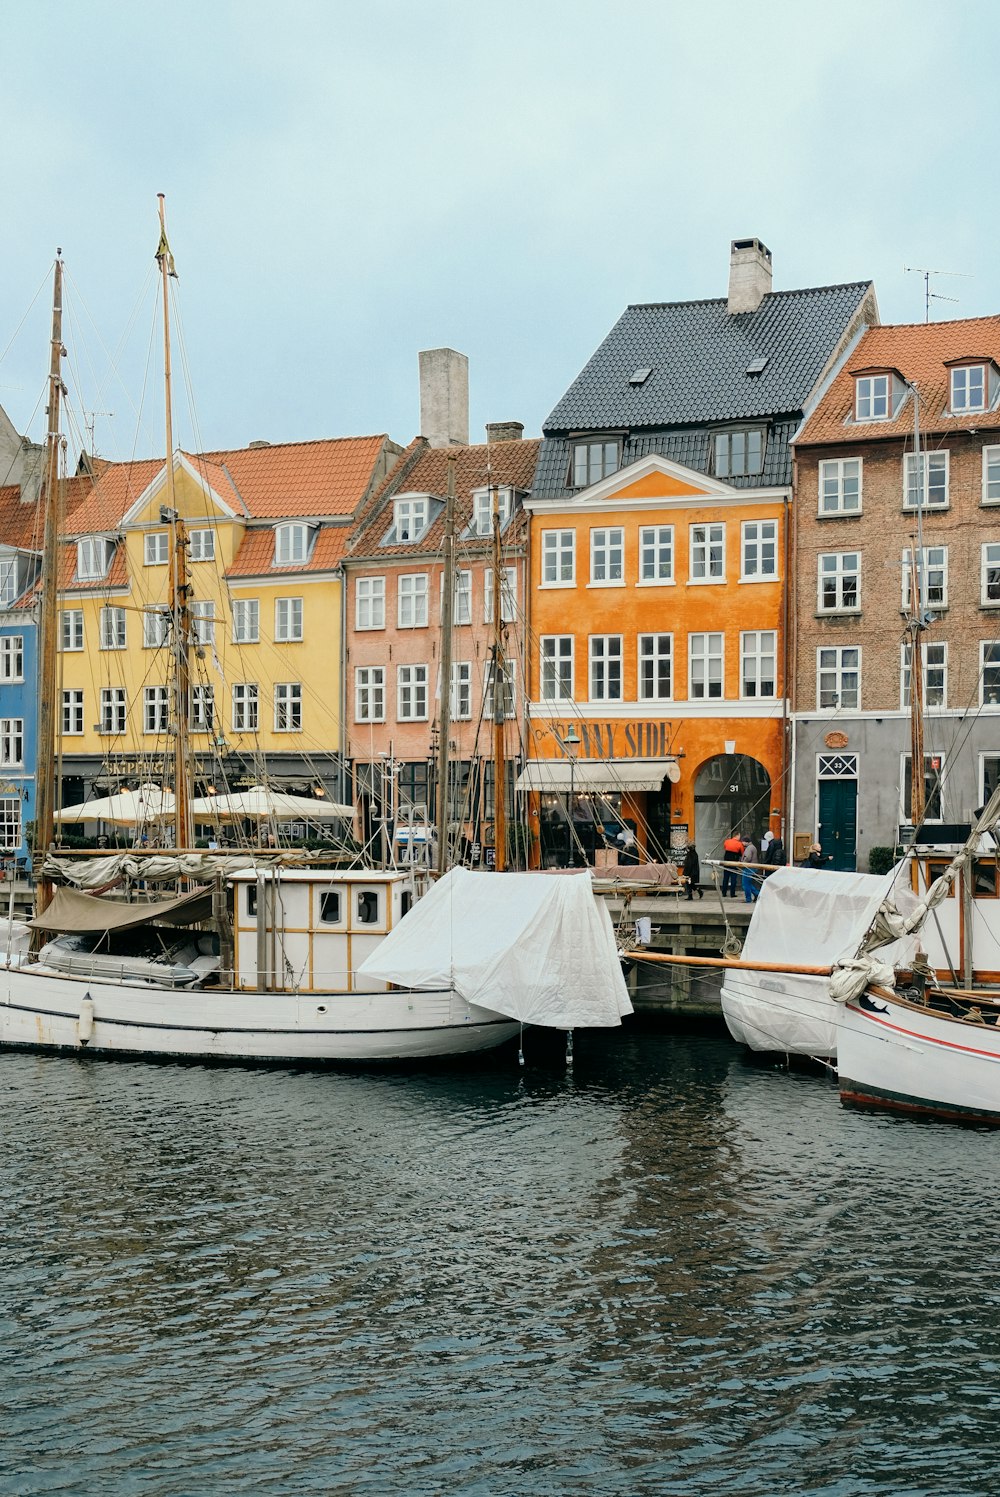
12,657
288,707
593,460
840,486
461,690
412,601
605,668
246,707
246,621
656,667
758,663
11,834
113,709
202,709
508,691
933,787
934,467
369,603
11,741
989,673
203,622
989,583
759,550
556,667
708,553
871,397
72,713
71,629
155,627
409,518
112,628
559,557
706,666
482,509
968,388
93,555
288,620
739,454
838,677
369,694
292,543
155,709
839,582
607,556
989,776
933,576
935,680
656,554
461,608
156,548
8,581
991,475
201,545
411,693
508,595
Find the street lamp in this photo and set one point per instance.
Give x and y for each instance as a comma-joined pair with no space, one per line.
570,744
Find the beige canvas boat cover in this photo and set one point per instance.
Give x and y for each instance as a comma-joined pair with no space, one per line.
73,911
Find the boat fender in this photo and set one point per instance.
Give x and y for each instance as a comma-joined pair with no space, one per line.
569,1049
85,1029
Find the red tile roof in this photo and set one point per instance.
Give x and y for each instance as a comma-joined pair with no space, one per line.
21,525
920,352
255,557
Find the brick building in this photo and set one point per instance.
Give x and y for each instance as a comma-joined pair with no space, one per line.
870,522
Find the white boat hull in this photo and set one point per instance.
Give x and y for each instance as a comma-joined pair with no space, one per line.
49,1011
913,1060
781,1013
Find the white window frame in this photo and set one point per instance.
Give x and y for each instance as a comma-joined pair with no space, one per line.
245,706
838,669
8,581
155,627
960,385
508,595
114,711
410,515
904,809
288,621
653,651
702,539
288,706
72,712
201,544
705,648
989,696
11,828
605,652
156,548
202,611
11,742
989,564
461,604
412,600
871,391
246,621
93,557
656,556
461,690
71,628
510,688
756,647
939,649
556,664
832,482
991,479
482,509
369,694
202,709
369,603
938,461
412,692
933,560
558,558
155,709
11,657
113,628
846,566
292,544
607,555
753,550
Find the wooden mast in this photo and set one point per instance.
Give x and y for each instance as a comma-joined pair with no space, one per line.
444,725
179,588
915,626
49,608
499,695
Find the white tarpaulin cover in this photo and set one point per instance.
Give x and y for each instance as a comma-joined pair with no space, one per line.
534,946
805,917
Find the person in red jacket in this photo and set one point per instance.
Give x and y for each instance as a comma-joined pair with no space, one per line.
732,852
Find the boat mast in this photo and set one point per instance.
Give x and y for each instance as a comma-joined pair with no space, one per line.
179,588
48,621
447,612
915,626
499,694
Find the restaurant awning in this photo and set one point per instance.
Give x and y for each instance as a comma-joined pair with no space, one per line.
616,774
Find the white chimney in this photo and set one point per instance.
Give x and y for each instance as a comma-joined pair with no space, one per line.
444,397
749,275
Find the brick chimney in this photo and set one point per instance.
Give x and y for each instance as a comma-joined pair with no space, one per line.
749,275
504,431
444,397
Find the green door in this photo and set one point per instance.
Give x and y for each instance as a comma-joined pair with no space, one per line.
838,823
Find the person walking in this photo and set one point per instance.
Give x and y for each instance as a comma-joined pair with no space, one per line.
751,884
732,852
691,872
774,856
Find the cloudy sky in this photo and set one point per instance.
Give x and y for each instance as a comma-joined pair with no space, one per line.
348,183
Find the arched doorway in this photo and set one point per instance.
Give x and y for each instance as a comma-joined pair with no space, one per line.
731,790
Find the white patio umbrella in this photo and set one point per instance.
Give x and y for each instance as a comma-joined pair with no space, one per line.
140,807
262,804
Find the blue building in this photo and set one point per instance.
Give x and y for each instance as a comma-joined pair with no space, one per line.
20,557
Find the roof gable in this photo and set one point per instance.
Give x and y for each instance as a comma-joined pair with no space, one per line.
202,490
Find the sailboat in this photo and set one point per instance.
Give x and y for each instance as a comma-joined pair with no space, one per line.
258,956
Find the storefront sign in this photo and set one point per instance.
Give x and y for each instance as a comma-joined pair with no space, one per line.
616,740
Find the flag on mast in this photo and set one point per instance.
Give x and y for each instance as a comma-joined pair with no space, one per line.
163,253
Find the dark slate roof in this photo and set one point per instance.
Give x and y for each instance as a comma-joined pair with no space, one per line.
691,448
698,355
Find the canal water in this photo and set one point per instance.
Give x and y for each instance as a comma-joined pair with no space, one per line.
666,1272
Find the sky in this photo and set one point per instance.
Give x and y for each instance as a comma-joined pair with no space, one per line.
349,183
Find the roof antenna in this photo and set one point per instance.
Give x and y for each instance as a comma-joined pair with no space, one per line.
91,425
930,295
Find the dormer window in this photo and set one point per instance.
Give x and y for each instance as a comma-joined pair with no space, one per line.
594,459
292,543
410,518
93,557
872,397
968,388
482,510
739,454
